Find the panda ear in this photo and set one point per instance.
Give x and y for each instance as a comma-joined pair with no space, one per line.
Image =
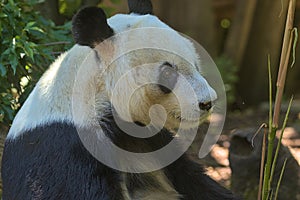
142,7
90,27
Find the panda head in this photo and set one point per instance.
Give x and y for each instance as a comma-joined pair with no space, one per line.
151,73
133,64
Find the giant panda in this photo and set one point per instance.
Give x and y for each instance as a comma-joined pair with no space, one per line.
45,156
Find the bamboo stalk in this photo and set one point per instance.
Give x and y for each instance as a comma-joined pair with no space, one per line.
262,164
279,141
265,175
273,123
285,55
267,186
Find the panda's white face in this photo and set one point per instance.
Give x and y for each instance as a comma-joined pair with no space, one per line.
145,51
185,88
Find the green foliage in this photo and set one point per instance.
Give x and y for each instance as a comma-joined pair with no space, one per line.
109,9
28,47
229,75
69,7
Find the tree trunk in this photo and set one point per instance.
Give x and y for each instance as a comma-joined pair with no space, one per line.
265,38
194,18
240,30
50,10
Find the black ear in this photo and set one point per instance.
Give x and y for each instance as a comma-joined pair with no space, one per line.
90,27
141,7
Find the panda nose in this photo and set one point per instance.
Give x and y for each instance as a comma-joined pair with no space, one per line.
205,106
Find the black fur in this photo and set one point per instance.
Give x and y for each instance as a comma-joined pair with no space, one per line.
167,78
142,7
50,162
187,176
90,27
190,181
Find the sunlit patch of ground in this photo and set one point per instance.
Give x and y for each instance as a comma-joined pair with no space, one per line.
291,139
222,173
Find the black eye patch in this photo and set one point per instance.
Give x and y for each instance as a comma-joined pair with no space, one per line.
167,77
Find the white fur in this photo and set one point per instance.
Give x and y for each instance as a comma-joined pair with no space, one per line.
67,81
51,99
123,22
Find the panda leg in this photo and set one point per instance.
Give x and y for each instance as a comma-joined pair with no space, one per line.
190,181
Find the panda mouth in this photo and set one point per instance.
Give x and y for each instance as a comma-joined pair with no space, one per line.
203,117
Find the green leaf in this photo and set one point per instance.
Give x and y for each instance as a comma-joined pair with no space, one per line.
6,52
35,28
28,51
9,112
29,25
2,70
11,2
3,15
13,61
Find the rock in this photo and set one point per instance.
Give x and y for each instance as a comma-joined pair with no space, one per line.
245,165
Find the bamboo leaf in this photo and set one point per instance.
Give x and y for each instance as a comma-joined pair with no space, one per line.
295,33
280,179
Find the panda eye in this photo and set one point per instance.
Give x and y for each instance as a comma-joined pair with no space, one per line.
167,78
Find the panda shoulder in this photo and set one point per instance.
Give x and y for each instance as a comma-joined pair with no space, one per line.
48,101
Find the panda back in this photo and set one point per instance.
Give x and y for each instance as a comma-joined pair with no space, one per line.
51,99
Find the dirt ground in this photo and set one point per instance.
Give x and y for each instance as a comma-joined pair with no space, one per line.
218,164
